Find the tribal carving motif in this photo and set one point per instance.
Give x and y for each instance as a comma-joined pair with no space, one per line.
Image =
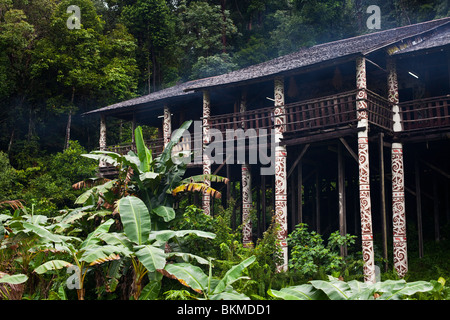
280,172
398,211
206,202
167,126
247,201
364,174
398,180
246,205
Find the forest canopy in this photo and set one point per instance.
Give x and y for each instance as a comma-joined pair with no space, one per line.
50,73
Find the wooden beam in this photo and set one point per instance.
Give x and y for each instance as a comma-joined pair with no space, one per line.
349,149
302,153
440,171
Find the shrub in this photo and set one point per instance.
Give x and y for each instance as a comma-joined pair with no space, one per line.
310,256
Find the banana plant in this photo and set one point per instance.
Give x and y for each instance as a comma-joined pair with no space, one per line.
144,245
211,289
154,180
334,289
90,252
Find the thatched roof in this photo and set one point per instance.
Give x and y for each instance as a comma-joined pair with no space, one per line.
161,96
436,40
360,45
306,57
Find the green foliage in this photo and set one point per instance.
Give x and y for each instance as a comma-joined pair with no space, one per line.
334,289
310,256
211,289
212,66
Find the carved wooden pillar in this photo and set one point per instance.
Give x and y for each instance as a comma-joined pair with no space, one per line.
364,174
280,172
167,125
247,200
398,179
102,140
206,161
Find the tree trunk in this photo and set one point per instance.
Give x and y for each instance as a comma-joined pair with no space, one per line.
69,121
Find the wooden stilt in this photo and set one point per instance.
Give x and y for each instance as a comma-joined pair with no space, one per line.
293,202
341,195
300,192
436,209
365,206
206,204
383,200
102,140
263,202
398,178
418,205
280,172
317,197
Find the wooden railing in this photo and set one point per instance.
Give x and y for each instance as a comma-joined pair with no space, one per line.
379,110
325,113
155,145
425,113
322,113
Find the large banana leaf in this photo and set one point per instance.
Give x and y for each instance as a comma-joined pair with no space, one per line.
396,289
335,290
14,279
100,254
151,257
144,154
52,265
93,237
233,274
197,187
301,292
188,275
166,235
135,219
43,233
167,213
203,177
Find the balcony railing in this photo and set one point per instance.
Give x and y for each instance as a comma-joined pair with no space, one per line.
309,115
426,113
155,145
326,113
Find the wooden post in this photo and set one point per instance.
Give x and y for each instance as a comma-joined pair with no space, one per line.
167,125
263,201
383,199
133,127
364,174
280,172
342,203
300,192
418,205
102,140
206,204
317,201
247,201
229,184
436,209
398,179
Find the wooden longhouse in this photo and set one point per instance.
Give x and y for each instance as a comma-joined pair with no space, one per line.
361,127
